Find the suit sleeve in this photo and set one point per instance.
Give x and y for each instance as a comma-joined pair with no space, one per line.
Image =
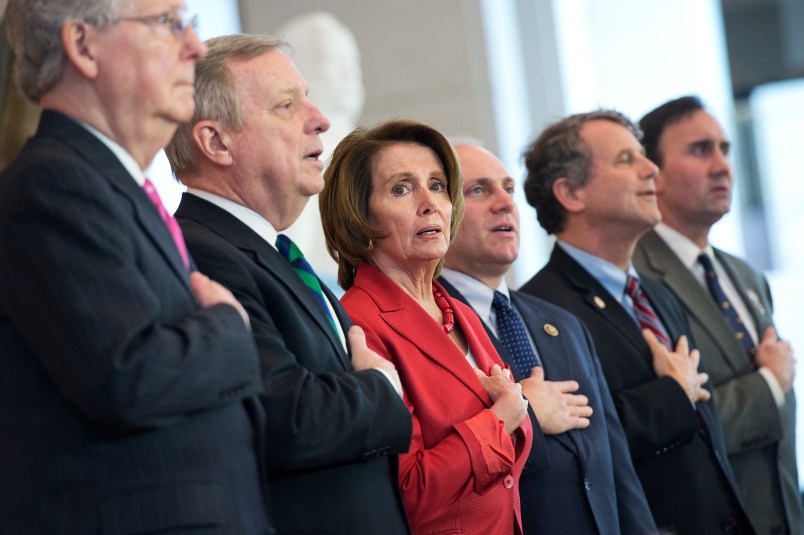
657,417
315,418
472,455
109,322
748,413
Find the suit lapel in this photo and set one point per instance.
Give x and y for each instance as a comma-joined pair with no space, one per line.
552,351
759,311
599,299
666,267
501,351
402,314
254,246
97,154
556,368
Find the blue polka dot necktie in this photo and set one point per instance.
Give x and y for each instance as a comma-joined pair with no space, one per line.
725,306
513,335
304,270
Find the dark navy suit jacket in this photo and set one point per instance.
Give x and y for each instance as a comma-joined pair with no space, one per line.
679,452
581,481
124,407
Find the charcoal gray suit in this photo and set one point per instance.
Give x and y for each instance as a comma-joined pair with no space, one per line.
760,437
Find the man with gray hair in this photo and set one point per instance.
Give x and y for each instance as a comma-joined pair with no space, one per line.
128,381
336,419
593,187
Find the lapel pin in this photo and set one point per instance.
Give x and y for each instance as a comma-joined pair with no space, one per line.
550,329
754,298
601,304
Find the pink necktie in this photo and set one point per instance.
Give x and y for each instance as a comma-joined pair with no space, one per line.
170,221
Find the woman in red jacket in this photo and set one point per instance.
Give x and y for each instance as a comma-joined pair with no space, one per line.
391,203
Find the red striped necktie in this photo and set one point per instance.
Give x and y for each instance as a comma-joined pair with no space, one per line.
645,314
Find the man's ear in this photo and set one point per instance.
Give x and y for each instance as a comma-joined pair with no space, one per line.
213,142
568,195
80,47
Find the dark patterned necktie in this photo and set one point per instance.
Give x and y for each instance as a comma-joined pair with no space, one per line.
304,270
725,306
645,314
513,335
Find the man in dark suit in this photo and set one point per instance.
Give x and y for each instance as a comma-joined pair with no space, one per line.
579,478
752,371
592,186
336,418
127,383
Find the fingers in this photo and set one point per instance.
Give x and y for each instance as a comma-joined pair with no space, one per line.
769,336
703,378
197,278
357,337
653,343
581,423
703,394
536,374
565,387
683,345
577,400
209,293
695,358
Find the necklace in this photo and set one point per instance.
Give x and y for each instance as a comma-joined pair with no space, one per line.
448,323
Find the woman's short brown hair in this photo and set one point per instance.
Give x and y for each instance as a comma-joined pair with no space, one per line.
348,185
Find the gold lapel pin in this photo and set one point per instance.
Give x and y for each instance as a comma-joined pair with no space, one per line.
550,329
601,304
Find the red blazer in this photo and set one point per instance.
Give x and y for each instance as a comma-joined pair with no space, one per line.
461,474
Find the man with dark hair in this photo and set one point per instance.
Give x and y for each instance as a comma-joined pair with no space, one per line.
579,478
729,307
593,188
336,419
128,381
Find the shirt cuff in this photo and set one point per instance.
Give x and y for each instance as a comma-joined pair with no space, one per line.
773,385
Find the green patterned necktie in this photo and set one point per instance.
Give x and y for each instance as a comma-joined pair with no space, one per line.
304,270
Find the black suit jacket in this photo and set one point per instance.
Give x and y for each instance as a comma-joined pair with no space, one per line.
124,407
332,432
581,481
679,452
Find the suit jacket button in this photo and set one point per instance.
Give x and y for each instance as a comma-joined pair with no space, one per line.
508,481
587,485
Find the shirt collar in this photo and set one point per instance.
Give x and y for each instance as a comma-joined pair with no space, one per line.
684,248
126,159
478,295
611,277
247,216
